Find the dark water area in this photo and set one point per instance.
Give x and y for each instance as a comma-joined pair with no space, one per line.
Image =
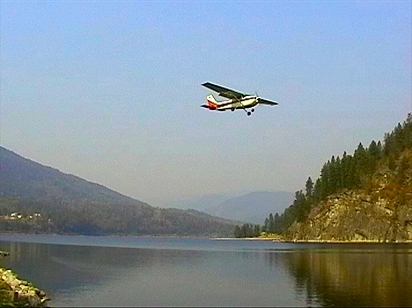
160,271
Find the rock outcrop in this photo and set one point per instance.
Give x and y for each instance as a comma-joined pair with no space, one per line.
4,253
19,293
381,213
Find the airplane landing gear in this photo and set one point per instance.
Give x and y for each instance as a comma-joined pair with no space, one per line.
249,113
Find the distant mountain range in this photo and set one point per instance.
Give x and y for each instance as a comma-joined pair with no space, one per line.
253,207
65,203
199,203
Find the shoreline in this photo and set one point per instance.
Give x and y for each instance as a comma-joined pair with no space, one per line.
343,242
105,235
271,239
312,241
243,239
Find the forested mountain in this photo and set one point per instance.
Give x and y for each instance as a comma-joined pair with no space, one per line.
21,177
364,196
36,198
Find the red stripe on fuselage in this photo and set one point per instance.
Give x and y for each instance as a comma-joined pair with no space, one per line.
211,105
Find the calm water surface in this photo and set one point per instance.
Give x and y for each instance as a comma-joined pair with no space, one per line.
157,271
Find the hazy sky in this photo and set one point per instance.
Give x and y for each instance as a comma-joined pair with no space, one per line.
110,90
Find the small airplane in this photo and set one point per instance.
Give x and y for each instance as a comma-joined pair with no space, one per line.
236,100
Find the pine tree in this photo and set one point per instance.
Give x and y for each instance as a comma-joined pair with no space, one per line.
344,170
309,187
353,173
277,224
407,127
333,176
266,225
271,224
256,230
374,154
317,190
325,180
238,232
374,150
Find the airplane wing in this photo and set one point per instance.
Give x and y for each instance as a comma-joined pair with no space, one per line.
224,92
267,102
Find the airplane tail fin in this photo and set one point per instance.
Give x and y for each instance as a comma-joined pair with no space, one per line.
211,102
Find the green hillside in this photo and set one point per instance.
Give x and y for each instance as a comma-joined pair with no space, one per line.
36,198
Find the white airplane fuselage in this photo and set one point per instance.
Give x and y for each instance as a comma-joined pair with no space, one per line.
232,104
247,102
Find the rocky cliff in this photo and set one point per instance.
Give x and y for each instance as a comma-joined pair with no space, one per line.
380,212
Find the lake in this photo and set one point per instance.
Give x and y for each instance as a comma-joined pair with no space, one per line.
167,271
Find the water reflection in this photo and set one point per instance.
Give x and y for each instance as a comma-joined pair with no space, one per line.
376,276
59,268
275,275
112,276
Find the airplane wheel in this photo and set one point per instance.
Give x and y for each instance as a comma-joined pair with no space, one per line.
249,113
233,109
253,110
